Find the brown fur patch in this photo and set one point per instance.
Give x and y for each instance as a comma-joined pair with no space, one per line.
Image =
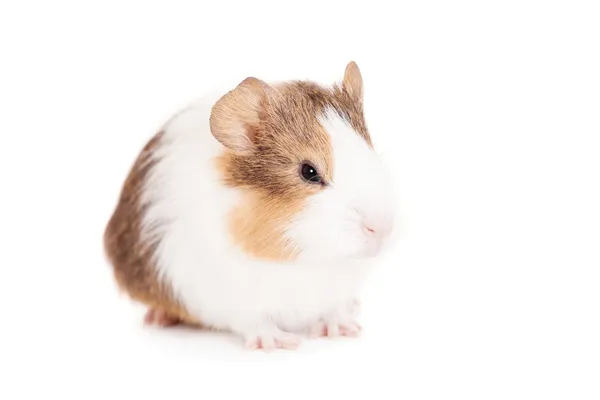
285,132
257,225
129,254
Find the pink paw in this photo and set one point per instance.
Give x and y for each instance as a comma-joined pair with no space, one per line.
272,341
323,329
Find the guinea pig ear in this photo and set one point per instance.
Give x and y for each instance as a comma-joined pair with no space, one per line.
353,83
235,117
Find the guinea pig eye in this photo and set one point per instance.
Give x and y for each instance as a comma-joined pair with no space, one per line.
310,174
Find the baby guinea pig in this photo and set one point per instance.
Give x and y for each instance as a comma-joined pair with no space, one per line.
258,212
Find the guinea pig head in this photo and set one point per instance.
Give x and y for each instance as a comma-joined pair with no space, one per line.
301,156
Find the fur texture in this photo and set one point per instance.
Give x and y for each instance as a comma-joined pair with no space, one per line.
229,227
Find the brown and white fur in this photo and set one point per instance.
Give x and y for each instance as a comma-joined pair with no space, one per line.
217,227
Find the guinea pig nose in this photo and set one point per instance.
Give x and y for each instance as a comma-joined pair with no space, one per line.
377,227
371,228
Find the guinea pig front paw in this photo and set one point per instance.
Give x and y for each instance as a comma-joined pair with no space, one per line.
340,322
272,339
333,329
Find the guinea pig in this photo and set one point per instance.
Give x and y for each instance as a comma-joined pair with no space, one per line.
259,212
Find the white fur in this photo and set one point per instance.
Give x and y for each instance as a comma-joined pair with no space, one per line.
224,287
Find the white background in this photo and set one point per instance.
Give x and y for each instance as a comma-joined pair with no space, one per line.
488,114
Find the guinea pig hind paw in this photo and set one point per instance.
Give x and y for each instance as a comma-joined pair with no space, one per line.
158,317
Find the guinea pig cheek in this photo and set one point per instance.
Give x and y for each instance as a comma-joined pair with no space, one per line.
258,226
